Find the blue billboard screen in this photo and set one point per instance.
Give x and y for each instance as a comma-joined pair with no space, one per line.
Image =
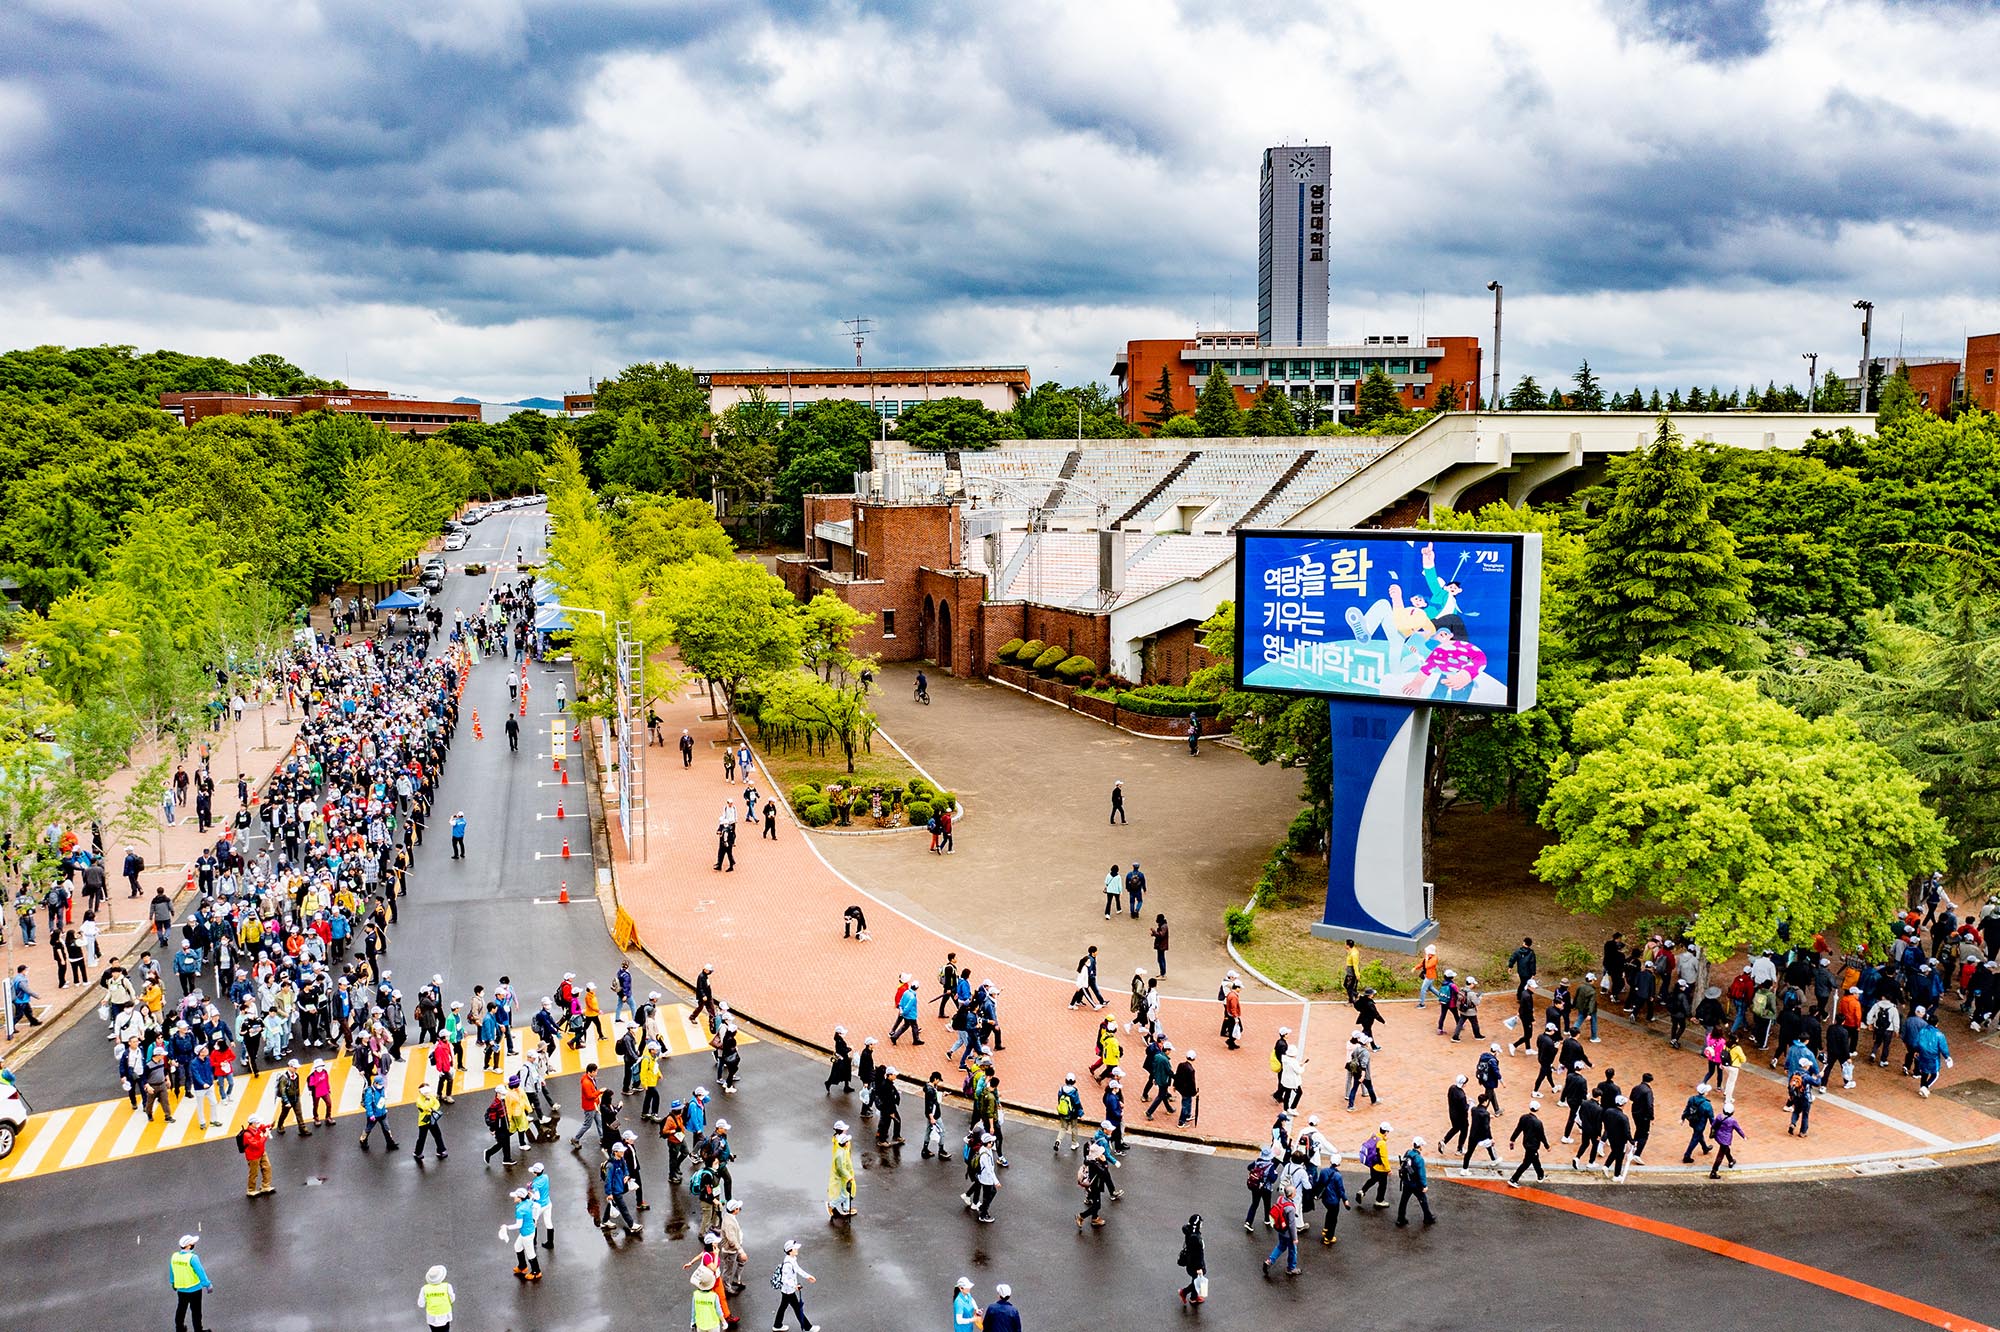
1449,619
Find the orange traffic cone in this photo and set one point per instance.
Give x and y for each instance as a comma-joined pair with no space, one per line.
565,854
562,898
565,775
524,707
559,809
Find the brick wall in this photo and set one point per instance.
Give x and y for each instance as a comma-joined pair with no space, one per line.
1174,654
1982,371
1933,385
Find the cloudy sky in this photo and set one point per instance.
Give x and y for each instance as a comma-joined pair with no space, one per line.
504,197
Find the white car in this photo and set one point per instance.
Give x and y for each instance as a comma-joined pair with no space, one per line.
456,541
13,1118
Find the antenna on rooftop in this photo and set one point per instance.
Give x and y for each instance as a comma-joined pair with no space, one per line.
860,327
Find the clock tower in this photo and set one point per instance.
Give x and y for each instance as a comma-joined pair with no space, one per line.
1292,247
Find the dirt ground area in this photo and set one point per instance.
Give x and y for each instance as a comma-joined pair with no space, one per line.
1487,898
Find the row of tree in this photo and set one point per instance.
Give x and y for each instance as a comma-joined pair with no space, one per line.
663,567
1587,394
1765,691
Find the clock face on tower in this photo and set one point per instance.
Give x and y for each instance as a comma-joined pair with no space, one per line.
1302,167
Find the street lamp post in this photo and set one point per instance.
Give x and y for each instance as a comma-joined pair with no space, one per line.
1494,287
1812,377
1867,309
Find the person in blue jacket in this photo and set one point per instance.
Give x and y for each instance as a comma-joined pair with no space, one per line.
1932,1049
190,1281
1001,1315
1415,1178
375,1111
1332,1190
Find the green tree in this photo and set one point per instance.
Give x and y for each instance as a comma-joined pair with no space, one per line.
1660,575
1049,411
1291,732
1161,399
1526,397
1215,411
1507,759
733,621
1377,398
828,645
1270,416
1556,403
654,531
664,394
1182,426
948,423
1697,791
825,712
1589,395
745,459
1899,399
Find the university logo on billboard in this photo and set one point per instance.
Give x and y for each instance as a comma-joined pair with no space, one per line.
1394,616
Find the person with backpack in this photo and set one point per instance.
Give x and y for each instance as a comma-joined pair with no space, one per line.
1727,1131
496,1124
1360,1077
1069,1110
1532,1137
1487,1073
1883,1019
1698,1114
1284,1220
1260,1179
1465,1003
1094,1176
1375,1156
254,1143
1414,1178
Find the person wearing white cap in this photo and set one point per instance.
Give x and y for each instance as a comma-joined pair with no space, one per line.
1118,803
1618,1138
458,835
1586,1006
840,1173
1414,1176
964,1309
734,1255
1426,971
190,1279
1001,1315
435,1298
792,1279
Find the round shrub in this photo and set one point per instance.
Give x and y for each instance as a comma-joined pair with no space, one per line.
816,814
1025,654
922,790
806,793
1008,649
1076,669
918,813
1049,658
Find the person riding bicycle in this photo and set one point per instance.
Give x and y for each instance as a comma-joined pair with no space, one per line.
923,688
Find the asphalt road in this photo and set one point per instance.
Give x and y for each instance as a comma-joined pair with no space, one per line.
347,1237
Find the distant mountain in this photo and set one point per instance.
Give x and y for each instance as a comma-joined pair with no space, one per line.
538,404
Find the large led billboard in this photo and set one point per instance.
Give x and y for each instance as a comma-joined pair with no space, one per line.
1448,619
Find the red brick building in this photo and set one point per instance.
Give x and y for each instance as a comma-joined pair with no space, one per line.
1319,379
404,416
1982,369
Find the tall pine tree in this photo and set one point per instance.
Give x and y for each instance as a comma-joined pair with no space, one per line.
1589,395
1162,400
1216,414
1660,575
1271,414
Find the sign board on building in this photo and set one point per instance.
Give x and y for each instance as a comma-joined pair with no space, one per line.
1439,618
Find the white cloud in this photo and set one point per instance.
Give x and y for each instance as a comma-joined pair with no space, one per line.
503,196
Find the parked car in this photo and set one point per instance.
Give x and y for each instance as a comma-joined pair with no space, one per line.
456,541
13,1118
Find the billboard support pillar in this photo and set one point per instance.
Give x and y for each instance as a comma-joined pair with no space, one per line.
1375,852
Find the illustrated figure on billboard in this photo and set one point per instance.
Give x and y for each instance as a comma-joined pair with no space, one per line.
1451,667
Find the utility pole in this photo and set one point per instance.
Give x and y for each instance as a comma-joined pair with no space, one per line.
1867,309
1494,403
1812,377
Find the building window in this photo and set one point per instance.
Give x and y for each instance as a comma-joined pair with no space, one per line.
888,624
1323,369
1349,369
1989,375
1399,367
1416,393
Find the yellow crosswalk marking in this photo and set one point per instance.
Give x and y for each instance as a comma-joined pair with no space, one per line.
80,1136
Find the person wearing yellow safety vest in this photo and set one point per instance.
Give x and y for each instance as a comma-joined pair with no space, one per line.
707,1312
190,1280
436,1298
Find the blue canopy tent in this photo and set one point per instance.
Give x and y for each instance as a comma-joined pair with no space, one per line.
398,600
553,620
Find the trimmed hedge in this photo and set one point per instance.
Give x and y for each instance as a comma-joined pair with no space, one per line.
1025,654
1133,701
1008,649
1049,659
1073,669
917,813
805,793
817,814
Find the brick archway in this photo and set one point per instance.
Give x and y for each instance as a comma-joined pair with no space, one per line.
944,641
